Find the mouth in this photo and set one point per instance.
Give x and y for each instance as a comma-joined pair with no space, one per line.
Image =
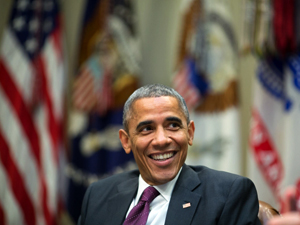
162,156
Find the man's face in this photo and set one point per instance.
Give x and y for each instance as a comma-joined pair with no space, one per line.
158,137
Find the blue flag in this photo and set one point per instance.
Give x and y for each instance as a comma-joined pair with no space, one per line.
107,75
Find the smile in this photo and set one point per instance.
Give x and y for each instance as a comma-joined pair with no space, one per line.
161,157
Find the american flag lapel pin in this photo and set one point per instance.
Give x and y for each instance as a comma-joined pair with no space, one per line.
186,205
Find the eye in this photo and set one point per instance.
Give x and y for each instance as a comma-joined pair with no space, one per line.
146,129
174,126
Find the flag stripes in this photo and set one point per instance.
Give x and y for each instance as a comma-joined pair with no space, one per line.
105,94
17,183
51,122
31,115
2,219
83,96
88,90
27,123
13,57
21,111
19,147
11,211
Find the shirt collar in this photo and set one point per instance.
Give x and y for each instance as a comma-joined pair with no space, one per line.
164,189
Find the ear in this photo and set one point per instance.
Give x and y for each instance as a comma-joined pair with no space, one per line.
191,132
124,138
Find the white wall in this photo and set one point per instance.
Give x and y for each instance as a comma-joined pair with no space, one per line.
159,26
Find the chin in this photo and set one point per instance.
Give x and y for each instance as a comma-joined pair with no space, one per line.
163,178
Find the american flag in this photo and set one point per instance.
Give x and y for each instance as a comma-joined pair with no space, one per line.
32,89
275,126
92,90
185,87
108,69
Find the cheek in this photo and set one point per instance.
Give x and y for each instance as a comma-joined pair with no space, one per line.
144,142
183,154
139,147
181,139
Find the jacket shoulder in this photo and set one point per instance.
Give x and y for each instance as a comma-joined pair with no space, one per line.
216,177
114,180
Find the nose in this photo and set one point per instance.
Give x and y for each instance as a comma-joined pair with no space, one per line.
161,138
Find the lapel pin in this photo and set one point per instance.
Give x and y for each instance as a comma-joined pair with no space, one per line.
186,205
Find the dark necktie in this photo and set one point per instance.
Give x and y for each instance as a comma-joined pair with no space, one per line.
139,213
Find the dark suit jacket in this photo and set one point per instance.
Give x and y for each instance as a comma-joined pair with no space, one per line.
216,198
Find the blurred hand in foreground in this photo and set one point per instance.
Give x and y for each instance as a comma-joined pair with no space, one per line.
289,214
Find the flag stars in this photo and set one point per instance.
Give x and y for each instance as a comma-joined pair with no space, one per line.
22,5
18,23
34,25
31,45
36,5
48,6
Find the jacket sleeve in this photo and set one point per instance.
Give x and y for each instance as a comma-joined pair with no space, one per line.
241,205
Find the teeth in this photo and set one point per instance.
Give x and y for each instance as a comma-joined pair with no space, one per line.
163,156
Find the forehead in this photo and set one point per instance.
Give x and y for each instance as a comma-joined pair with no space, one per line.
147,108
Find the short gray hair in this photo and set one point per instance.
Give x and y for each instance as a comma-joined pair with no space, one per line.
150,91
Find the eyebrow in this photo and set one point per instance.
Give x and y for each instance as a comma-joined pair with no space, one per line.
148,122
143,123
173,118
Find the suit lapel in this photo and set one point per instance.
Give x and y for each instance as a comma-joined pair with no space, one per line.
183,195
119,203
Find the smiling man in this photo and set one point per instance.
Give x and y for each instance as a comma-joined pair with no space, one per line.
158,131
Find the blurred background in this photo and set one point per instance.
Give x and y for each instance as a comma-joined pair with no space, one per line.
67,67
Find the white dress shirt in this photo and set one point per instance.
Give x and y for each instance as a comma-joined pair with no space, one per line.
159,206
